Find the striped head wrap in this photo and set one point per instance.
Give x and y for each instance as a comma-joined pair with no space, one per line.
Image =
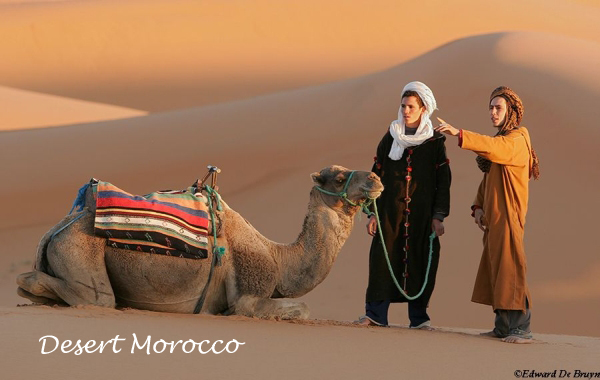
512,120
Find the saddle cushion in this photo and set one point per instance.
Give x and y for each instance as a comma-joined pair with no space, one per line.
173,223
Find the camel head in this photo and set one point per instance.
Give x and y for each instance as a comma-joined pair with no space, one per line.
334,179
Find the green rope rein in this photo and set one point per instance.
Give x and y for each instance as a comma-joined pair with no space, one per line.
387,259
364,205
218,252
214,196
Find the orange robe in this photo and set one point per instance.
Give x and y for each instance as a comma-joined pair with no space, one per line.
503,193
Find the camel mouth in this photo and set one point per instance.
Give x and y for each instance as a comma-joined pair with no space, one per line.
372,192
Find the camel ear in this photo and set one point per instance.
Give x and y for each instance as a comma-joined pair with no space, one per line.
317,178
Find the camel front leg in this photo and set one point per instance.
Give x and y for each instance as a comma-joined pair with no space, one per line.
252,281
268,308
261,305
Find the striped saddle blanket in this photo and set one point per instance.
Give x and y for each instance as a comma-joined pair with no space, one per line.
173,223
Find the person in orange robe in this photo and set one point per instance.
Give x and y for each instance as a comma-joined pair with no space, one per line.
508,162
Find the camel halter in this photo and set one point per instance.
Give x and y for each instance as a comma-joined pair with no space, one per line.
365,204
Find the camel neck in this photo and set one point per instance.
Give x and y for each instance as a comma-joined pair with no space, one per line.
305,263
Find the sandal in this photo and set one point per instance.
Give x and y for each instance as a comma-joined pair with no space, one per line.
424,326
366,321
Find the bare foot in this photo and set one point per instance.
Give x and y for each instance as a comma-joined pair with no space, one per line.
517,339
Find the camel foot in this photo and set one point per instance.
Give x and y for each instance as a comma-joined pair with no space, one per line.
36,299
74,293
30,286
284,309
517,339
268,308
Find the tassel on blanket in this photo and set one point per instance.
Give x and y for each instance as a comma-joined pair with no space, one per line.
219,251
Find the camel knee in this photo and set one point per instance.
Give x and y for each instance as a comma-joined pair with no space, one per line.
94,293
245,305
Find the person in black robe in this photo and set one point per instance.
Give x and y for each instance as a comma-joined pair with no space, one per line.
412,164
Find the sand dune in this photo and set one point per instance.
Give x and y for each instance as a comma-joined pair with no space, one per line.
25,109
269,145
159,55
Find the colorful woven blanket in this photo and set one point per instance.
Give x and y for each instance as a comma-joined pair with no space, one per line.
173,223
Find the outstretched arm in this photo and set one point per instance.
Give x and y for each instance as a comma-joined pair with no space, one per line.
510,149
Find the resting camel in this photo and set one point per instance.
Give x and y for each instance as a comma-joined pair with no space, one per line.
257,276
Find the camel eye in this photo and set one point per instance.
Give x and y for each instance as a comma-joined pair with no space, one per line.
340,180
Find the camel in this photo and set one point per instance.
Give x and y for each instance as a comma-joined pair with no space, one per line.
257,277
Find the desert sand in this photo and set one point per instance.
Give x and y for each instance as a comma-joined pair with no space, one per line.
321,350
145,94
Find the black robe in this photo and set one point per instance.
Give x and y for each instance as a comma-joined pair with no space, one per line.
429,194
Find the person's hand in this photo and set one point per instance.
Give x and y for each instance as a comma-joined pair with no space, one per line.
372,226
438,226
446,128
480,219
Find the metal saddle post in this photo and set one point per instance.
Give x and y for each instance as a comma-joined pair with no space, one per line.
212,172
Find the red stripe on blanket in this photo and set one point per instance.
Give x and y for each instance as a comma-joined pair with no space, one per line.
144,205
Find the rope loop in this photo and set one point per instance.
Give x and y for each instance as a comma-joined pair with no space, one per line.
387,259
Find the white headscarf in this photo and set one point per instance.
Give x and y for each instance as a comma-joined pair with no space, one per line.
425,129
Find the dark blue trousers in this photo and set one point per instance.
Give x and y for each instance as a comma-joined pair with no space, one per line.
378,311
